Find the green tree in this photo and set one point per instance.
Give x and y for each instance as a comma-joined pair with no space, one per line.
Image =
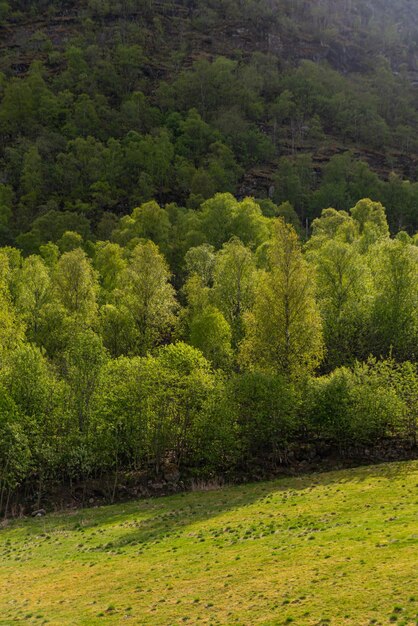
394,318
147,294
75,285
211,334
332,224
183,392
11,325
6,205
117,329
283,330
119,426
234,284
149,221
110,263
371,219
33,292
200,261
84,358
266,407
345,296
14,450
353,406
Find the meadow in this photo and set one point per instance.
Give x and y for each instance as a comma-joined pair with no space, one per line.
338,548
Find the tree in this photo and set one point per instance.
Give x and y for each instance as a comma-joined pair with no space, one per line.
6,204
84,358
148,221
248,223
69,241
196,137
332,224
234,283
110,263
39,396
33,292
283,330
345,295
119,425
293,181
216,219
207,87
211,334
75,285
394,317
353,406
14,449
11,325
266,406
28,379
31,184
223,217
184,383
200,261
345,181
371,219
157,409
117,329
149,297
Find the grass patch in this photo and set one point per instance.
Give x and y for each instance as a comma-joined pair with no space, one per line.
337,548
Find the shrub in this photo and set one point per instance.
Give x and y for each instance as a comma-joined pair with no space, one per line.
266,407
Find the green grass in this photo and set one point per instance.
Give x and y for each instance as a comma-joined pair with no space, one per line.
336,548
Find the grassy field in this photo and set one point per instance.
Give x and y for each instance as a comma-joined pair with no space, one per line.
336,548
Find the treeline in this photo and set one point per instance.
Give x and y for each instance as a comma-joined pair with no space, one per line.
124,110
109,362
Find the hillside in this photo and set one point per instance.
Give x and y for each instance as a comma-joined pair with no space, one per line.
107,105
337,548
208,247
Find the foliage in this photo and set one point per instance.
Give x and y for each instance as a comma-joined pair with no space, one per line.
150,312
105,118
110,363
354,406
283,330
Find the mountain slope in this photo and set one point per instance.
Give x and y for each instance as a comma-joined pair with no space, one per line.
191,98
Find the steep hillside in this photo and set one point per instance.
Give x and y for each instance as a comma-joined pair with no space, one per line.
193,97
348,34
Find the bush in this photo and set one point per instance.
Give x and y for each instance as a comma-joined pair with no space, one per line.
266,406
14,448
353,406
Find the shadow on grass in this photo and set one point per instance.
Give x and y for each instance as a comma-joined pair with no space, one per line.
147,522
173,517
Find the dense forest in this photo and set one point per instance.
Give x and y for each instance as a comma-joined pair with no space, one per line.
174,286
110,363
106,105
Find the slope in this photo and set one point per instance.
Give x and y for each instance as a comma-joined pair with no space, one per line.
336,548
104,105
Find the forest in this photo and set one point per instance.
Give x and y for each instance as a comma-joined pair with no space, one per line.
111,362
208,248
105,106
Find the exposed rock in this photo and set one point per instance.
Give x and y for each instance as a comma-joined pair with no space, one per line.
157,486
